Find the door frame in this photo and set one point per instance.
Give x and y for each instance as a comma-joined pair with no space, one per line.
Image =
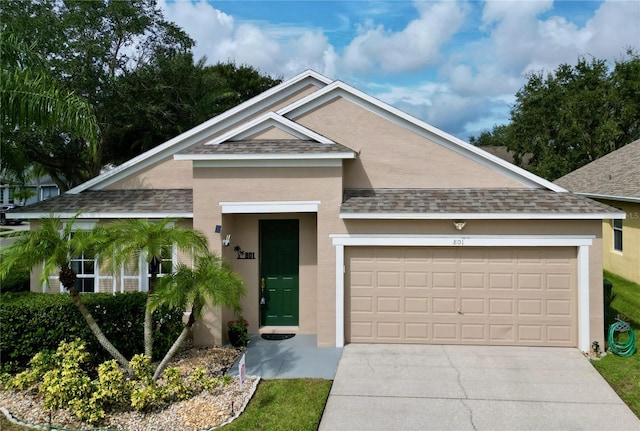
582,242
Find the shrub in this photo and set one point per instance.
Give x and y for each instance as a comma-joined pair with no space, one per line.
32,322
63,383
16,281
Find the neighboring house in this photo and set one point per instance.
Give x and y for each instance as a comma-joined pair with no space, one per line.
41,189
363,225
614,179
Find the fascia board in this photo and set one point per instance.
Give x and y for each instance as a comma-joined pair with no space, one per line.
285,156
454,240
274,163
610,197
270,119
340,89
481,216
269,207
105,215
199,132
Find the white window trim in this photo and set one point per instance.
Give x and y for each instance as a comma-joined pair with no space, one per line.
582,242
615,229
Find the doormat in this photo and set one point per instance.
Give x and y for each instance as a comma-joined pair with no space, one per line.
277,336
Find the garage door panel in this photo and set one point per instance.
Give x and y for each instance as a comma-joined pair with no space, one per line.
462,295
416,280
413,304
444,280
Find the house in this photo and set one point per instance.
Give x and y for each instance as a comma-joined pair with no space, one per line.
37,189
614,179
349,219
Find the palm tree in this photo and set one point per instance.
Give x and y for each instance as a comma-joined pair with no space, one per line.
209,282
31,96
53,246
134,240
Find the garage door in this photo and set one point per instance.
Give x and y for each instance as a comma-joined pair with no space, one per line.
486,295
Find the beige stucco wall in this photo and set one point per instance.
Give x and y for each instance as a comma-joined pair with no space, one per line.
391,156
273,133
168,174
626,263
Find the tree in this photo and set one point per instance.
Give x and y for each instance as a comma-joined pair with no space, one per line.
53,245
32,99
572,116
87,47
133,67
130,241
172,94
209,282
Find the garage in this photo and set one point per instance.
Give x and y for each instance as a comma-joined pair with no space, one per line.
524,296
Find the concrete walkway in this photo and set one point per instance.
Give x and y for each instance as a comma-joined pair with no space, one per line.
407,387
297,357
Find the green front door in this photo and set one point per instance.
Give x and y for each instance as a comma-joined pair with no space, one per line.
279,270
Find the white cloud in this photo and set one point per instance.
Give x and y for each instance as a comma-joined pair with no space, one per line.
277,50
417,45
477,78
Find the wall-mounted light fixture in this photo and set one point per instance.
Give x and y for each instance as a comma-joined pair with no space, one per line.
227,241
218,228
459,224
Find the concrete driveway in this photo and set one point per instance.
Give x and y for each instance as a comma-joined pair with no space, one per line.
407,387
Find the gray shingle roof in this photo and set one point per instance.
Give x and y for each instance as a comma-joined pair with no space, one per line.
169,201
275,146
468,201
616,174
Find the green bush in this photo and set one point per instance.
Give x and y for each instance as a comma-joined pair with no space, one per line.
16,281
63,382
32,322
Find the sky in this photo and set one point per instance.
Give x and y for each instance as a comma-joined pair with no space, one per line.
455,64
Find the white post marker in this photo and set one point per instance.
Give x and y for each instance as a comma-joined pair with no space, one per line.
243,371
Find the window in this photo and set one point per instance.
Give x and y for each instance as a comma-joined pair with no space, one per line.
617,234
84,267
166,262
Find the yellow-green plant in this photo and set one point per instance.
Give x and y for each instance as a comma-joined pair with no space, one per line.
176,386
38,365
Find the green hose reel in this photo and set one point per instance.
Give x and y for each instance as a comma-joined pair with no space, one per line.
621,345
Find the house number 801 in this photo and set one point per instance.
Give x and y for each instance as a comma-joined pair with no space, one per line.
458,242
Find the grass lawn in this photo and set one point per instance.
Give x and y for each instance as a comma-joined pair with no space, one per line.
5,425
623,374
295,404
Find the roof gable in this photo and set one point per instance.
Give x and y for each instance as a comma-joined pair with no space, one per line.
339,89
284,119
614,176
202,131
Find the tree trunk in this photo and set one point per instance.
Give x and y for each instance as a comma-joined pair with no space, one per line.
148,320
95,329
174,347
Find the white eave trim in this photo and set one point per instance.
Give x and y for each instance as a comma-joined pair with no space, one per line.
269,156
269,207
340,89
480,216
461,240
610,197
103,215
249,163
